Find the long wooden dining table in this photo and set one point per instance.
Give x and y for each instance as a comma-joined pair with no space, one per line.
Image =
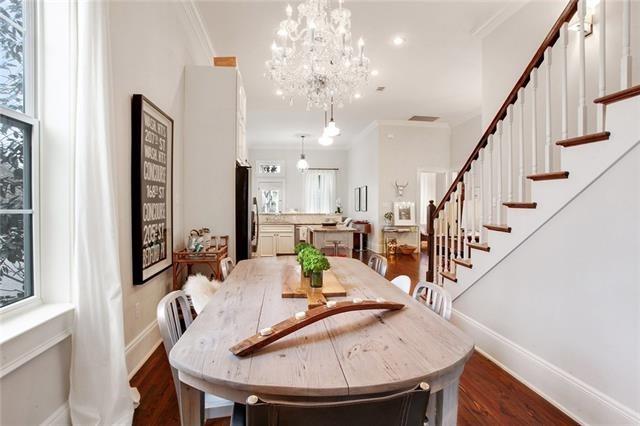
347,356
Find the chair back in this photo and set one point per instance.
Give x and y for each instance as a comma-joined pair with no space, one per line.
435,297
378,264
226,266
405,408
403,282
174,316
348,221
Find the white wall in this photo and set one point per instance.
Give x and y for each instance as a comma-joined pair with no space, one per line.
563,310
151,44
464,138
294,184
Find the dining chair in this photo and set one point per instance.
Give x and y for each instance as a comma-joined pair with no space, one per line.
406,408
378,264
174,317
226,266
435,297
403,282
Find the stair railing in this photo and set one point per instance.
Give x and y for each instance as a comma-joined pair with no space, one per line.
460,224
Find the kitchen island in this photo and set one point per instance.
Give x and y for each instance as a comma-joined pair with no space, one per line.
335,239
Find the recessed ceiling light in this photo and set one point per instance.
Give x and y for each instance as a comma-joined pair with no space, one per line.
398,40
357,95
278,92
374,72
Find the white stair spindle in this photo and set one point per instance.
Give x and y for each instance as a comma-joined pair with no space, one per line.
602,62
465,213
625,65
490,185
436,249
534,122
510,154
521,145
459,225
474,211
498,148
447,214
547,110
564,42
481,195
582,87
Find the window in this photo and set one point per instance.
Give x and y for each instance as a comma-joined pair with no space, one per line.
320,191
18,139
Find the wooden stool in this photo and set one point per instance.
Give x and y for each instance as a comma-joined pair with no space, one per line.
336,245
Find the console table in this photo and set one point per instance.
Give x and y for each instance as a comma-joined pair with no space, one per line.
404,235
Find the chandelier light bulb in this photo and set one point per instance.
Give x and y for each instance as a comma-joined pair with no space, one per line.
274,46
282,32
398,41
332,130
357,96
374,72
325,140
289,11
361,42
279,92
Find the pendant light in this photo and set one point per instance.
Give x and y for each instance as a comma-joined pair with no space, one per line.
325,140
331,130
302,164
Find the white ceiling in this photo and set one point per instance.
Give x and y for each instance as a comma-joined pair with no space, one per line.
436,72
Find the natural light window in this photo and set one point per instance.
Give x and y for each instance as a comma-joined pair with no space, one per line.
17,142
320,191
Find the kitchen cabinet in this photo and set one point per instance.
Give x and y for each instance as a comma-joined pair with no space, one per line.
276,239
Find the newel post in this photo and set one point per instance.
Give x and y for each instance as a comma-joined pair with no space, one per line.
431,241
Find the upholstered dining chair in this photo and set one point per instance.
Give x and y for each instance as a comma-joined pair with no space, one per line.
403,282
406,408
226,266
435,297
174,316
378,264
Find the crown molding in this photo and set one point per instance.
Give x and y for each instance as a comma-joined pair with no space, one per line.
498,19
194,18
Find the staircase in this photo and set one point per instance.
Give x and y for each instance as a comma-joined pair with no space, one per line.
535,158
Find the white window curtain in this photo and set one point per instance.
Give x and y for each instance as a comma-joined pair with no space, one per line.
319,191
100,393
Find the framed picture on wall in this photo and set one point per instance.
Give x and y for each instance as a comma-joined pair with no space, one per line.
356,199
404,213
151,189
364,195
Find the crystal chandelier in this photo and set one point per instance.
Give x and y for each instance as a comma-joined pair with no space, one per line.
314,57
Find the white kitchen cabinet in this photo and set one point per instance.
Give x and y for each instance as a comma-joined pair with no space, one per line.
276,239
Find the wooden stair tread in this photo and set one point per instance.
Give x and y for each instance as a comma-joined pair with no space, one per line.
524,205
581,140
619,96
450,276
549,176
463,262
499,228
478,246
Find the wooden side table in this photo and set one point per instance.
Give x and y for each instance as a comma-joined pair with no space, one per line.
184,260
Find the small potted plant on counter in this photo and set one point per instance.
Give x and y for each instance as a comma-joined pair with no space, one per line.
388,218
316,263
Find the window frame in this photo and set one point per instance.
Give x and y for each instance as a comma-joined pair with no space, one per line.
29,117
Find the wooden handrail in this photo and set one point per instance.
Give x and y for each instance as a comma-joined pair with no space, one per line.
535,62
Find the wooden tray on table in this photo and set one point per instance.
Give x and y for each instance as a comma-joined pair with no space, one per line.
292,287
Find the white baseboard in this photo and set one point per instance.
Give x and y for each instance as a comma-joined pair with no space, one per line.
578,400
142,346
60,417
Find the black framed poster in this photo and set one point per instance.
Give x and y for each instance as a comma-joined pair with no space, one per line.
151,189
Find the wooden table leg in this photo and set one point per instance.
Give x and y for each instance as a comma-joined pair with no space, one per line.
191,406
447,404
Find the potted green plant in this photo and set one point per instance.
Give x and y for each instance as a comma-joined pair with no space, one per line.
301,250
316,263
388,218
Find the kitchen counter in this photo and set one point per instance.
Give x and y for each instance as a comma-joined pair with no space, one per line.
297,218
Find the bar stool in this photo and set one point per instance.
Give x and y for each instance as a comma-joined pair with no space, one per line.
336,245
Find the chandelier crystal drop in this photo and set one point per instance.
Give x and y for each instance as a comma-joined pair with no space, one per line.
314,56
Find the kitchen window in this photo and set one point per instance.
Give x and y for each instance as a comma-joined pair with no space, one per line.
18,153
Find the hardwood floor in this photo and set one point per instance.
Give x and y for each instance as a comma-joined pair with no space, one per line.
488,395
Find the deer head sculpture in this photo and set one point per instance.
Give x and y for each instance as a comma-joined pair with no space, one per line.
400,188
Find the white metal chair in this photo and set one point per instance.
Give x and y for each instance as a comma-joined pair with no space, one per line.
378,264
174,316
435,297
403,282
226,266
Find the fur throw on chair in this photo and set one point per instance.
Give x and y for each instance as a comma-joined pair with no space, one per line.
200,290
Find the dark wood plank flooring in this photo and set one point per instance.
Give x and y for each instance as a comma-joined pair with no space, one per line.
488,394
